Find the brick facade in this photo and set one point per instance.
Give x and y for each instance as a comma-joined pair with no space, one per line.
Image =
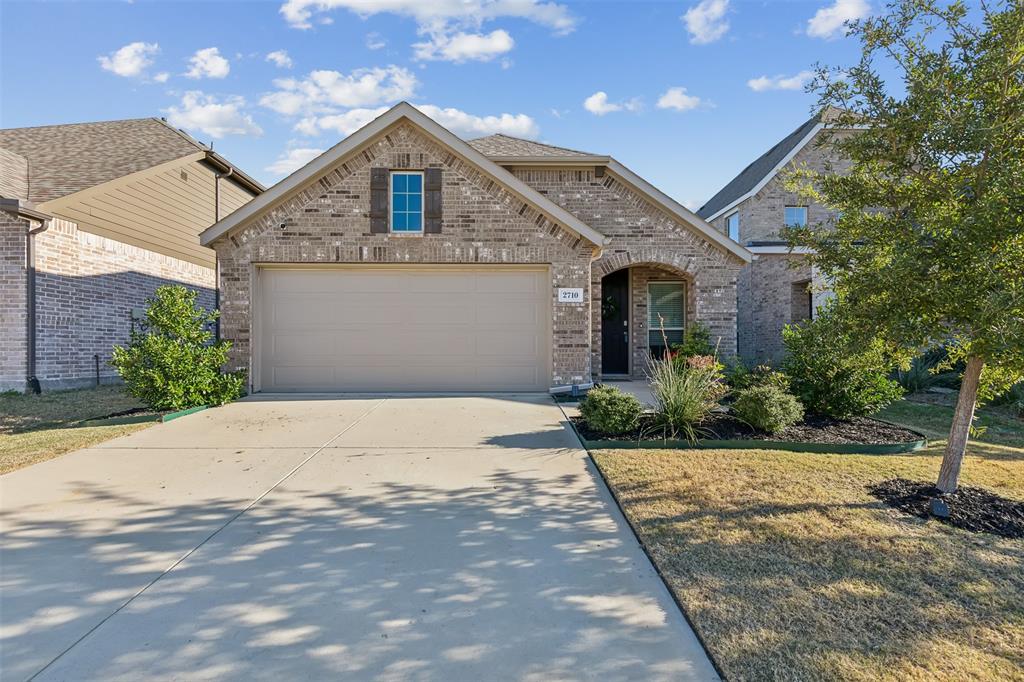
643,236
328,222
86,289
12,301
769,294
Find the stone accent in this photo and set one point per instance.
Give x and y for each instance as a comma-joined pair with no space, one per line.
644,234
12,301
328,222
766,295
86,289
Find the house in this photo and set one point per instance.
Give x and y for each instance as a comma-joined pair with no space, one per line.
407,259
94,217
779,287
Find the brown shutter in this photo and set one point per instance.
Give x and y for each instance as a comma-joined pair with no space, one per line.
432,199
379,200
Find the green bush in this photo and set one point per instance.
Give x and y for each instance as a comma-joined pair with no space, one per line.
768,408
608,410
696,341
832,378
739,377
685,394
1013,398
172,363
922,373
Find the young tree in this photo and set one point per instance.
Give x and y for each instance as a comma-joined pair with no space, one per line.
928,244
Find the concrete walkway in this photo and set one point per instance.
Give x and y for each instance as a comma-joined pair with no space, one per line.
449,538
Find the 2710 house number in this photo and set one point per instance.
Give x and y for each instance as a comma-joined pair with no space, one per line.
570,295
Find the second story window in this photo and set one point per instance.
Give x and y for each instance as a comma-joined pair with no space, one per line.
732,223
796,216
406,201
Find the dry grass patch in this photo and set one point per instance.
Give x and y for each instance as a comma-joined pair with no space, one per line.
790,570
34,428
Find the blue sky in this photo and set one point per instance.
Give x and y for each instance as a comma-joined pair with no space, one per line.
693,91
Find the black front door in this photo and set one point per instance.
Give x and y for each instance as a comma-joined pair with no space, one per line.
615,323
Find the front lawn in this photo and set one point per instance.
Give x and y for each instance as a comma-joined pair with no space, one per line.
34,428
789,569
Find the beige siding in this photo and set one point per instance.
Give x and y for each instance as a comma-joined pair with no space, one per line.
162,209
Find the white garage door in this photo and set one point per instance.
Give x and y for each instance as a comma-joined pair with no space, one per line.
415,328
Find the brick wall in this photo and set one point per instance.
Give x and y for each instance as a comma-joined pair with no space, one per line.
328,222
766,304
12,302
643,234
87,286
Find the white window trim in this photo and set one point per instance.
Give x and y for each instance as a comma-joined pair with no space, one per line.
727,231
650,326
391,201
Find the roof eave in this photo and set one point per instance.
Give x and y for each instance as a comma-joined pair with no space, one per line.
237,174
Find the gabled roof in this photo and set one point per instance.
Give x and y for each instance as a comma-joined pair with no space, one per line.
64,159
402,110
755,176
505,145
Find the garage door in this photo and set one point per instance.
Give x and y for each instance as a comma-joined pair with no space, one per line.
418,328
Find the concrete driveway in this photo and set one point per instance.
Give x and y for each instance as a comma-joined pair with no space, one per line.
450,538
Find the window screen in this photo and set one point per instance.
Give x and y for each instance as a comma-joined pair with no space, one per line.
666,309
406,202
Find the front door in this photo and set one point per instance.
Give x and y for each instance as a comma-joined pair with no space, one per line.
615,323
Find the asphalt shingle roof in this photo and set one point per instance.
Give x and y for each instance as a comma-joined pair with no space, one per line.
756,171
63,159
505,146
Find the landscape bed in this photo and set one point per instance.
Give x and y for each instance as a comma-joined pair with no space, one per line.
859,435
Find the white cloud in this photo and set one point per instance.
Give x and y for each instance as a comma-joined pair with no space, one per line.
676,98
459,122
208,63
324,90
131,60
461,47
217,118
706,21
827,22
293,160
280,58
599,105
780,82
161,77
434,14
375,41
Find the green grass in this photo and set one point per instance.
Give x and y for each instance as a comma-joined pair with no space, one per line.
34,428
1000,426
790,570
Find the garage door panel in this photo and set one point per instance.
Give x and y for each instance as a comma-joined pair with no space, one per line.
409,329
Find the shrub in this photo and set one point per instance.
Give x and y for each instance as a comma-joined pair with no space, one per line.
830,377
740,377
685,394
768,408
922,372
172,363
1013,398
696,341
609,410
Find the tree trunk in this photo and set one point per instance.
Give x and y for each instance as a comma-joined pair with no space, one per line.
949,472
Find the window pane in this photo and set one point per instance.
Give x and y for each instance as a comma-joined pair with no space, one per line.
733,223
415,183
415,202
398,182
398,221
414,221
796,215
668,300
399,202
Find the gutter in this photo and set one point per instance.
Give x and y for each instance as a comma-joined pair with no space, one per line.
14,207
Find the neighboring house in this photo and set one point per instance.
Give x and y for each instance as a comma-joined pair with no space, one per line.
780,287
406,259
94,217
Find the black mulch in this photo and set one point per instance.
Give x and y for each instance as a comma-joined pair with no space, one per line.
813,429
974,509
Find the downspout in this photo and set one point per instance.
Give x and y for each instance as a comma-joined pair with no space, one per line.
32,381
216,261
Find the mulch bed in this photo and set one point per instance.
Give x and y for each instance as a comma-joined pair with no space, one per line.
974,509
813,429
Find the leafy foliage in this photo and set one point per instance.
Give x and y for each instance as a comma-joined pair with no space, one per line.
172,363
696,341
832,375
740,377
768,408
685,394
609,410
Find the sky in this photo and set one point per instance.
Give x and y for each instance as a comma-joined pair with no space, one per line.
686,94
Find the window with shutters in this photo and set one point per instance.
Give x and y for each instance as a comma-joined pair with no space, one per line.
406,201
666,310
